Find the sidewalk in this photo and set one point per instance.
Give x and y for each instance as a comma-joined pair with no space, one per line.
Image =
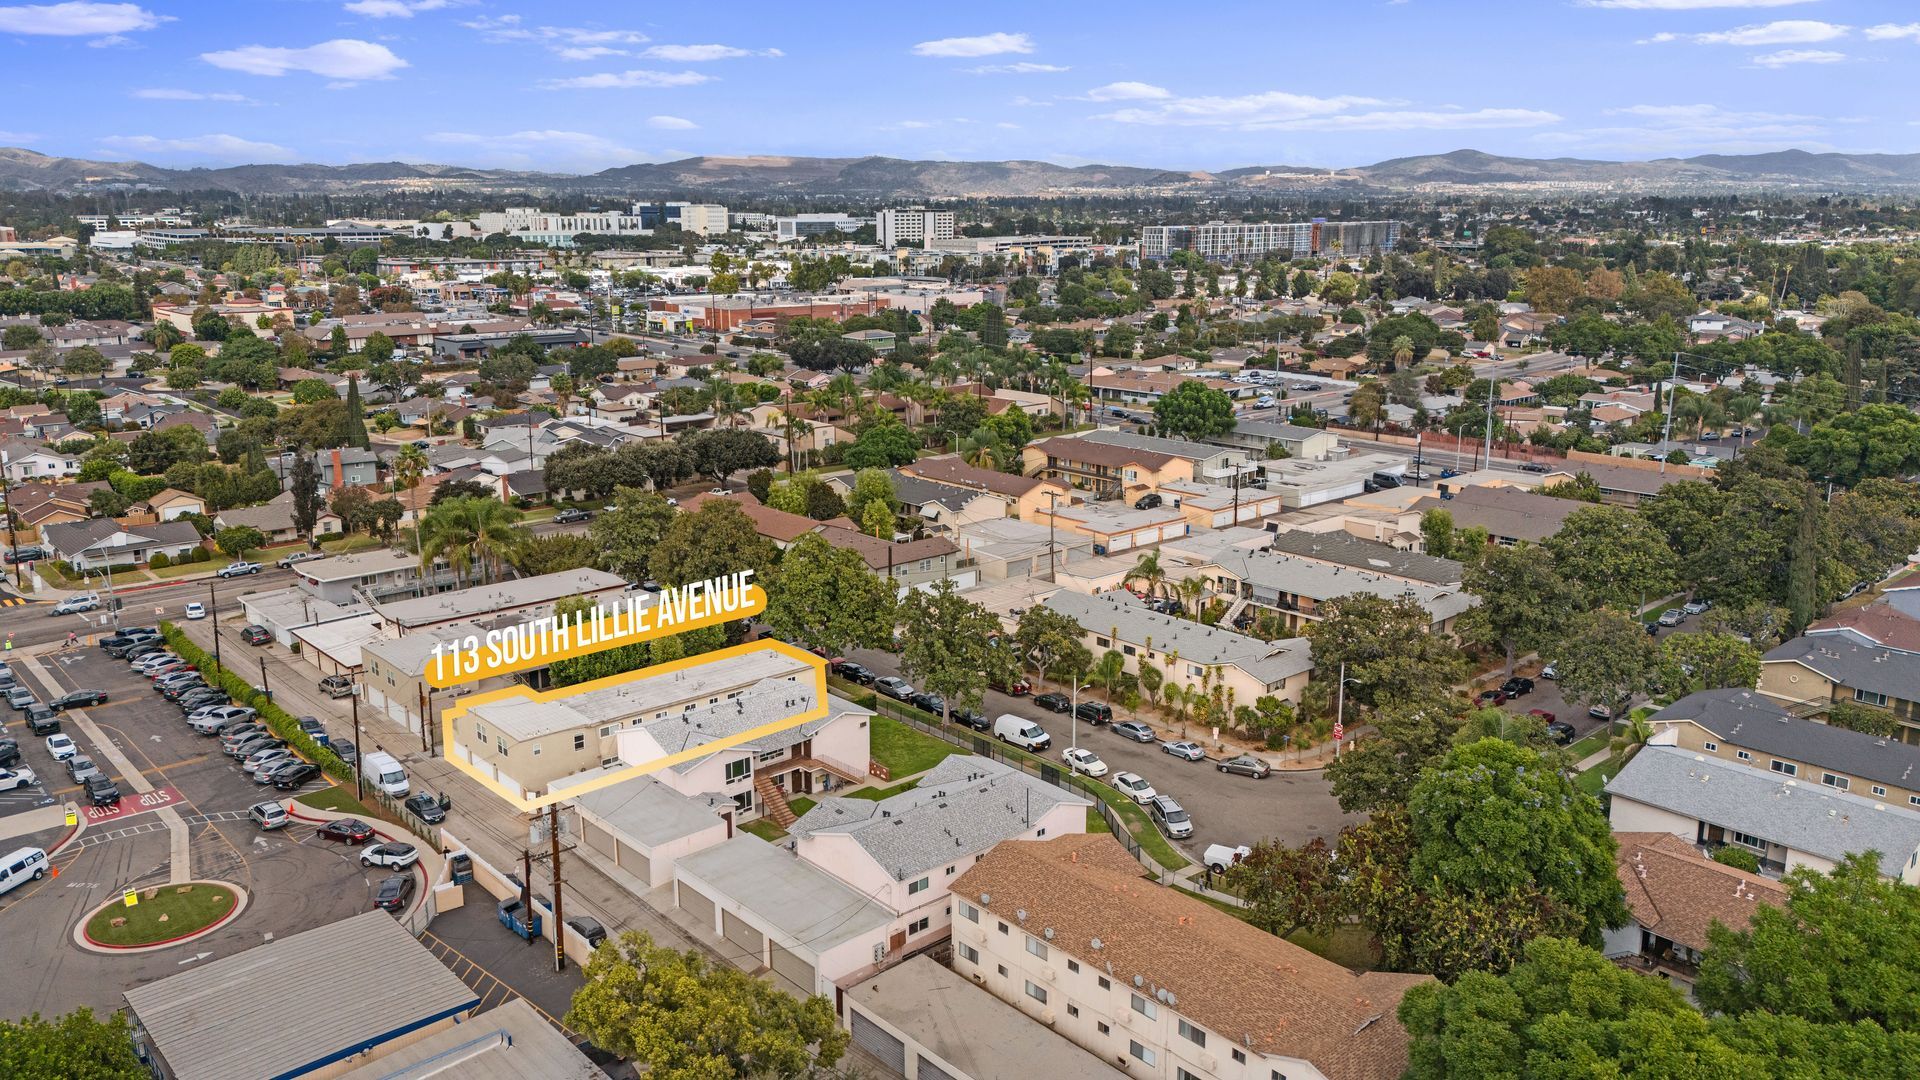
492,829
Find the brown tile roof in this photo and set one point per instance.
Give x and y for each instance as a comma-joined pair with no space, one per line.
1254,989
881,554
776,525
1878,623
1099,453
1678,893
947,469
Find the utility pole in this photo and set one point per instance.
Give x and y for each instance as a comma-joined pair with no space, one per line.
559,920
13,542
426,718
359,779
526,890
1340,705
213,613
264,686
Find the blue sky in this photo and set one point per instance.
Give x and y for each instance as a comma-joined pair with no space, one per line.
567,85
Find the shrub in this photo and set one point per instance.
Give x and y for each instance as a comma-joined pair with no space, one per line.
1739,858
275,717
159,561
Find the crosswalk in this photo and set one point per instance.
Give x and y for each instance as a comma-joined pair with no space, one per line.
92,838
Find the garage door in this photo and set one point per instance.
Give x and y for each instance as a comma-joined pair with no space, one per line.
927,1070
736,930
596,838
793,969
635,863
870,1037
692,902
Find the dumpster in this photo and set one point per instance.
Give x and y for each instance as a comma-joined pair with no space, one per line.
461,864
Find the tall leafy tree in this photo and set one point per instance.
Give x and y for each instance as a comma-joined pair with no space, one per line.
828,598
303,479
1614,557
355,433
949,647
1387,648
627,532
1606,659
77,1046
714,540
1706,661
1524,602
1045,638
1194,410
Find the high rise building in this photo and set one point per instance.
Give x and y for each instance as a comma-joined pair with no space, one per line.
1225,241
912,226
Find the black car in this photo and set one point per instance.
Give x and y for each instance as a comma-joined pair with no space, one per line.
346,831
590,929
25,554
102,791
571,514
1053,702
9,753
1094,712
932,703
394,893
1149,501
78,699
975,720
42,720
183,688
1560,732
204,696
1534,467
294,775
346,751
854,673
1517,686
256,635
144,649
429,809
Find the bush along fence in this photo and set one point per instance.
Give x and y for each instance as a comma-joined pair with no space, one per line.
276,718
1123,816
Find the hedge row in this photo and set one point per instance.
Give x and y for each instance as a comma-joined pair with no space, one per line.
283,724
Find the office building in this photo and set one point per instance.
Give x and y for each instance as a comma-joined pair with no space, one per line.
1229,240
801,226
913,226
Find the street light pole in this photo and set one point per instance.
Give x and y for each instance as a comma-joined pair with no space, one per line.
13,543
1340,705
213,615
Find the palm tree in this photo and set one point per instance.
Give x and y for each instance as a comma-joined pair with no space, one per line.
409,466
1147,570
1634,733
795,427
1191,590
563,389
1402,350
471,530
1107,672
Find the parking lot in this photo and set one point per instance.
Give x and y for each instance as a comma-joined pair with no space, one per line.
196,810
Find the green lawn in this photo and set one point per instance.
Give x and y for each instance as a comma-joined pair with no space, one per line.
800,804
1594,779
1096,823
765,830
1348,946
338,799
538,514
905,751
348,544
873,794
1590,744
186,569
170,911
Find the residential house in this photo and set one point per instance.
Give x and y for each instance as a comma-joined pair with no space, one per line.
1747,727
1675,896
43,503
98,542
519,596
1191,654
1162,984
1787,822
380,572
1210,464
1259,437
274,519
942,506
1027,496
171,503
1844,662
1104,469
778,526
1715,326
909,564
1509,515
26,462
338,468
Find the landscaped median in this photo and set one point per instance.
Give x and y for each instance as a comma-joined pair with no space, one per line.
162,915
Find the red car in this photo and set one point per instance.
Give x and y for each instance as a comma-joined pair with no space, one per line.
1492,697
1545,716
346,831
1017,688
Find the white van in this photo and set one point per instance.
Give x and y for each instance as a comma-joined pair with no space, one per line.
383,772
21,866
1021,732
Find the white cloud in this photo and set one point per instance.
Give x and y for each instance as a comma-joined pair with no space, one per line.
343,59
1024,102
587,52
1280,111
695,54
1798,56
981,45
1684,130
1128,91
671,123
396,9
225,148
1893,31
78,19
1778,32
1008,125
13,137
914,124
543,148
1023,67
627,80
164,93
1687,5
508,28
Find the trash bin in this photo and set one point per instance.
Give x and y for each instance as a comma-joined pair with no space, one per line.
462,865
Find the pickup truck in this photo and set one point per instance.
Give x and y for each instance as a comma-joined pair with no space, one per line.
513,916
1219,858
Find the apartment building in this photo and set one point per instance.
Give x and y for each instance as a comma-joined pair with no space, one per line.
1229,240
802,226
1106,470
1870,659
1675,896
1027,496
1190,654
1295,588
1161,984
1748,727
912,226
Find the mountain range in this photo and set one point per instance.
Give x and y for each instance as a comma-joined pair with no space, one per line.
880,178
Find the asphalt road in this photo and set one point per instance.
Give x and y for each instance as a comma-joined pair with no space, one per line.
143,605
1292,807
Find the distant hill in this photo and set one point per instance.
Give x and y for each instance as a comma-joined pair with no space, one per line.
881,178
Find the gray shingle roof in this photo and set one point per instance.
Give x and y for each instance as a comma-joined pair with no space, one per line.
1803,816
1323,581
961,807
1125,616
1851,661
1748,719
1349,550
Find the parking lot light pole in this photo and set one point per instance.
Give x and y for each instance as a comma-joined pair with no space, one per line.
359,779
213,616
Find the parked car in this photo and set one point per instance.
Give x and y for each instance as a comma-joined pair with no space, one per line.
61,747
1599,712
118,645
78,699
1534,467
589,928
1081,760
1135,730
571,514
74,605
1550,672
1517,686
970,718
1695,607
201,698
1021,732
293,775
1150,501
1053,702
1094,712
298,557
346,831
337,686
269,815
854,673
261,764
1246,765
429,809
895,687
42,720
238,569
925,702
1560,732
256,635
346,751
20,697
1545,716
102,791
1173,818
1673,616
1489,698
1185,749
9,753
1135,786
1016,688
14,779
79,767
246,748
394,894
196,610
394,856
25,554
1219,858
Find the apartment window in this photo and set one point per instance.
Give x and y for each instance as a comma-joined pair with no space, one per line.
919,926
969,912
918,887
1879,791
1003,928
536,749
951,869
1868,697
1913,800
1192,1034
1743,755
1182,1074
1753,842
579,742
1102,642
480,732
1035,947
1104,1029
1105,985
1240,1056
1785,768
1036,992
1838,783
771,755
737,770
1144,1007
1073,966
968,953
1145,1055
1073,1010
500,744
1712,746
1196,670
1127,649
1278,1075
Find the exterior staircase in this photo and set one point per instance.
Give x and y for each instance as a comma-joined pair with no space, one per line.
773,801
1233,612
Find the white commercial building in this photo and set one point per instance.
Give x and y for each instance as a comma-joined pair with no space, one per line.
801,226
913,226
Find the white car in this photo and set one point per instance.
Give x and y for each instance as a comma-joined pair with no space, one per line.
196,610
1135,786
61,747
393,855
11,779
73,605
148,663
1084,761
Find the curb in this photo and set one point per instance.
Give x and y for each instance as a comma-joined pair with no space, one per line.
241,898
